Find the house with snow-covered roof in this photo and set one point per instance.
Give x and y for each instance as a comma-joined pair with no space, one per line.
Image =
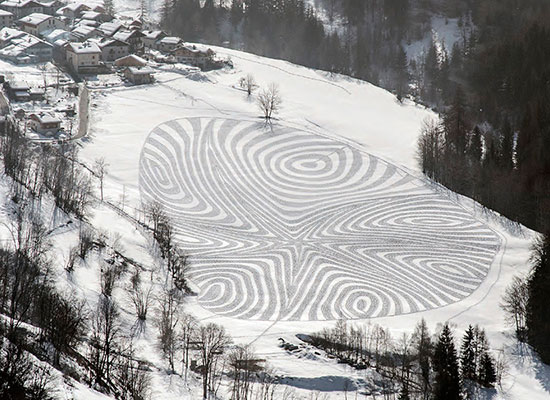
26,49
44,123
83,57
55,34
151,37
168,43
6,18
111,49
74,10
108,29
83,32
36,23
130,60
139,75
7,34
21,8
131,37
193,56
50,6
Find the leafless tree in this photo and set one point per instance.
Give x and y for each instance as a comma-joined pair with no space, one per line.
133,379
514,304
269,101
100,170
141,298
212,343
188,324
85,240
169,319
105,340
244,365
249,84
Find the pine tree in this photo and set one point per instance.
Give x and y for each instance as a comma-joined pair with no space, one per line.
447,379
475,149
487,373
507,146
424,350
468,356
109,7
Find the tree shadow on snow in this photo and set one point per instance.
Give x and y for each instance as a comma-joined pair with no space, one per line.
322,383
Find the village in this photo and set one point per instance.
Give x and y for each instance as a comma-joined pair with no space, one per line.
63,49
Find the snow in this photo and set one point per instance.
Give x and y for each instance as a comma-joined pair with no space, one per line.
354,113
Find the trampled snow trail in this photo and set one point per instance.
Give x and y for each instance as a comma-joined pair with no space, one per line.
288,225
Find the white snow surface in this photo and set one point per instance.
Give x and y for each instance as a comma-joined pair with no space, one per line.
341,109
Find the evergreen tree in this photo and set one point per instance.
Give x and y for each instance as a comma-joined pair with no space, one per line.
487,372
475,147
456,125
402,73
447,379
109,7
424,349
507,146
468,356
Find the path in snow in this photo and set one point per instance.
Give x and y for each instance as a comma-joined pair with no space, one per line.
283,224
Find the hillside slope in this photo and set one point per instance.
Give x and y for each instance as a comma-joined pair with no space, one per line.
320,215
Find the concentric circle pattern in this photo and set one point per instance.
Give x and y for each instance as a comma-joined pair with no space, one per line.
285,224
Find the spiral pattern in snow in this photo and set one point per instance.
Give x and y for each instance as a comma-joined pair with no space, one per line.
286,224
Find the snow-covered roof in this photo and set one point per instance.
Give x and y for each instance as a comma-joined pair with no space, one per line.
84,48
131,57
20,45
170,40
55,34
111,42
90,15
7,34
75,7
152,34
35,19
46,118
109,28
126,35
60,42
140,70
4,13
18,85
83,30
20,4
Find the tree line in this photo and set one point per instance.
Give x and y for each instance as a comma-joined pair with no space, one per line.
525,301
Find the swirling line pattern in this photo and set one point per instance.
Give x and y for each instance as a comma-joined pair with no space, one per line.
289,225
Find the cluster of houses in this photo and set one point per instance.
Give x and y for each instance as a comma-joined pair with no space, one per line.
86,39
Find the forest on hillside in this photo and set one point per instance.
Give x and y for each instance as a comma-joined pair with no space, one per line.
491,87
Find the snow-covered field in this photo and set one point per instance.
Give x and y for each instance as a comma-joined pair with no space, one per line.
334,179
283,224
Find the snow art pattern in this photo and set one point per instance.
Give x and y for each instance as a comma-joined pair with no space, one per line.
290,225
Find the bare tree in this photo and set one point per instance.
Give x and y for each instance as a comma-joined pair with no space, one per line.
514,304
249,83
188,325
85,240
105,340
169,318
212,343
141,298
100,170
244,364
269,101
